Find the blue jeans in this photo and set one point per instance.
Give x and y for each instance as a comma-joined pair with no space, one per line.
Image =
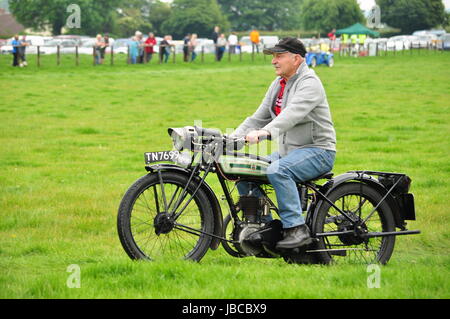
166,56
193,56
284,173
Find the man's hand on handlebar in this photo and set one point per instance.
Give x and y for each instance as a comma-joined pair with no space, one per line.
257,136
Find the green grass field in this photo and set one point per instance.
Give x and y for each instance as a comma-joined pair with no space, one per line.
72,141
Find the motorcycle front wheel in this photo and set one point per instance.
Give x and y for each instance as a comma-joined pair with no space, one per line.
145,223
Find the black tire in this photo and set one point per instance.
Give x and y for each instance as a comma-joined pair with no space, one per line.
358,200
141,204
331,62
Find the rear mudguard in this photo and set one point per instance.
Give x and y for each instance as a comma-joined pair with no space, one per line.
334,183
217,211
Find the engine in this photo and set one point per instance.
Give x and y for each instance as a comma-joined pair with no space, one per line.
253,237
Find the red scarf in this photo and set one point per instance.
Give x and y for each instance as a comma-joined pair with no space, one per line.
277,106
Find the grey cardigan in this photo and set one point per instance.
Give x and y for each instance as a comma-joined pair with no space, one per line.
305,118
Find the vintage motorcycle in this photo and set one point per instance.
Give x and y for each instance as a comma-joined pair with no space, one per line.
173,212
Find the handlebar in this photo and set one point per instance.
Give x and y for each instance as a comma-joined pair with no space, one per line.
212,135
195,138
207,132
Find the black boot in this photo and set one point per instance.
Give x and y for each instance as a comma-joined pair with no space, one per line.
295,237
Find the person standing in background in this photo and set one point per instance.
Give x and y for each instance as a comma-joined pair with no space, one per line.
186,41
215,36
141,44
164,48
103,48
99,45
134,50
221,46
15,50
192,45
254,37
149,44
232,42
332,37
22,51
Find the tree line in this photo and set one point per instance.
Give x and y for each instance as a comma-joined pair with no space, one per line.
122,18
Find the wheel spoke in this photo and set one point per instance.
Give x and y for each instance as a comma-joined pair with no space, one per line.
163,193
155,191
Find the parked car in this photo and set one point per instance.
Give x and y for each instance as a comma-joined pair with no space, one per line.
207,44
424,41
7,47
86,46
178,46
246,45
77,39
400,42
314,59
50,47
68,46
32,40
436,32
268,41
445,41
264,41
121,46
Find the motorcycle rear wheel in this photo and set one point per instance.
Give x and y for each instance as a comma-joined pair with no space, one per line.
141,225
357,200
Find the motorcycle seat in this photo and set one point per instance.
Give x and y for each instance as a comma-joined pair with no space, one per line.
328,175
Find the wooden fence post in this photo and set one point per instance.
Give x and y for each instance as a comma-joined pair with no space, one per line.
112,55
174,52
161,53
38,56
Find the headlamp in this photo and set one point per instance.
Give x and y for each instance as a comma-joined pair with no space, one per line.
183,137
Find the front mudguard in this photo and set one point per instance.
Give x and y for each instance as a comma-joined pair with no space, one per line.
334,183
217,211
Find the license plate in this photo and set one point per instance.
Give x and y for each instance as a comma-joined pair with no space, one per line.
163,156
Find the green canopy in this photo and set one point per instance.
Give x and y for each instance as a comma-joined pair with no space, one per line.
357,28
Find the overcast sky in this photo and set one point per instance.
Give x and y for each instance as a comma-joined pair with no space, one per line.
366,4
